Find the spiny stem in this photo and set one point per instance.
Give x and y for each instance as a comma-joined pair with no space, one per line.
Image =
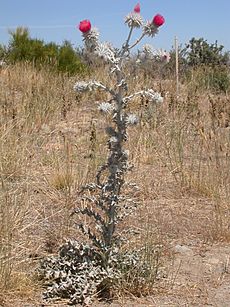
125,47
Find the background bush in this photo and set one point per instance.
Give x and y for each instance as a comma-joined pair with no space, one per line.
204,64
62,58
207,65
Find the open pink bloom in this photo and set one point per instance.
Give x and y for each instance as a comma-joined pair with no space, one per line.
158,20
84,26
137,8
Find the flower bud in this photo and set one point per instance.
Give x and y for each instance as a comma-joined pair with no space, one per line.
84,26
158,20
137,8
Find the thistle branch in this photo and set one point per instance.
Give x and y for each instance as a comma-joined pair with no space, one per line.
125,47
137,41
154,96
91,85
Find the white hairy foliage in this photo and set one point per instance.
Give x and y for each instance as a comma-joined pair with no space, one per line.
91,39
132,119
105,107
77,274
134,20
150,29
83,86
150,94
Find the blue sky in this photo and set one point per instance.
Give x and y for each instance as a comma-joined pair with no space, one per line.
56,20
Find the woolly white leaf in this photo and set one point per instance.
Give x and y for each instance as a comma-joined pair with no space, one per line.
150,94
113,139
134,20
91,85
105,51
105,107
150,29
132,119
91,39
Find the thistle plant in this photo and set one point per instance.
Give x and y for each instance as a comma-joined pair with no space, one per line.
109,199
107,205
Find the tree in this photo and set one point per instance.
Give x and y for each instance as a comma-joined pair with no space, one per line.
200,52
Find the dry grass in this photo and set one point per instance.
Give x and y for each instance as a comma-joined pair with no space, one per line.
51,142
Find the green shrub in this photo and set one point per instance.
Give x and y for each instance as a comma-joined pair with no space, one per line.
67,61
62,58
207,65
219,79
200,52
2,52
215,79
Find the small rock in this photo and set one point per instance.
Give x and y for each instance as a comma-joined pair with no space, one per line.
182,249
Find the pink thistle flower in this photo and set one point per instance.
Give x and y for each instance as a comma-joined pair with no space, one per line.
158,20
84,26
137,8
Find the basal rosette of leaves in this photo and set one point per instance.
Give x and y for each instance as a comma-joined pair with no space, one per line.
77,273
80,271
